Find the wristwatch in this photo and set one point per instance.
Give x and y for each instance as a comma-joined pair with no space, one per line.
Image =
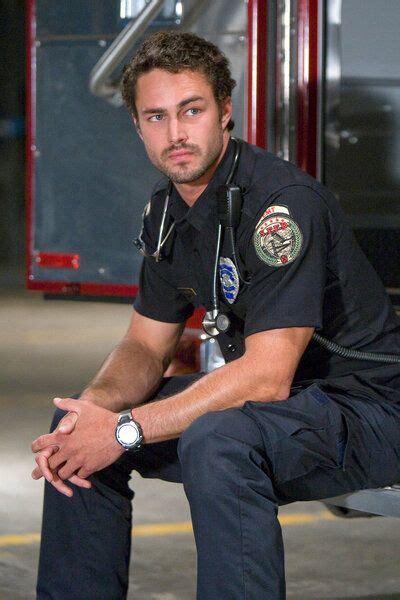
128,432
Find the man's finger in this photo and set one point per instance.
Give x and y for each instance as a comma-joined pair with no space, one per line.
83,483
43,465
49,439
56,460
37,473
67,423
75,479
61,486
68,470
68,404
85,473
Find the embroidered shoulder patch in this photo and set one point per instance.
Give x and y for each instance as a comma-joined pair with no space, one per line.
277,239
275,209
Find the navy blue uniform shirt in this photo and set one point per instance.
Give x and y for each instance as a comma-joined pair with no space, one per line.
304,266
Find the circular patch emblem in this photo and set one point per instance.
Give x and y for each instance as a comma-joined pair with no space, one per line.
229,279
277,240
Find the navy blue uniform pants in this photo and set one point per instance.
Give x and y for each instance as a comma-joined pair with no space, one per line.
237,466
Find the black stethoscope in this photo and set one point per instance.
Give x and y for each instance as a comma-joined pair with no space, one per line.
229,199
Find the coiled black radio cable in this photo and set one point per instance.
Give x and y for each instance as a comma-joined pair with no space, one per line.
355,354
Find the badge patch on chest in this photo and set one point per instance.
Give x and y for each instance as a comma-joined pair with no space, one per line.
277,240
229,279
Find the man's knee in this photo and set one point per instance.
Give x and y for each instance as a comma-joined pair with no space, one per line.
217,433
218,453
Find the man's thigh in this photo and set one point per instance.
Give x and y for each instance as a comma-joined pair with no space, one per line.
316,449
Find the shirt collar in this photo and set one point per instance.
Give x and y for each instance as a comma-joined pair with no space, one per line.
204,211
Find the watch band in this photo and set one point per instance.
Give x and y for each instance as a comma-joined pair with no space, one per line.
125,417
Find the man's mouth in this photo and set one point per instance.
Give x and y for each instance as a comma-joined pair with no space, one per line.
178,154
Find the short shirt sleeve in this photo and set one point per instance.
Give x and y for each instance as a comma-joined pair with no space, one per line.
287,257
157,298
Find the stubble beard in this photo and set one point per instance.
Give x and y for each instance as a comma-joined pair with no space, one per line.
184,173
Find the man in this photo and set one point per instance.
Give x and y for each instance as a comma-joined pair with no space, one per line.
284,419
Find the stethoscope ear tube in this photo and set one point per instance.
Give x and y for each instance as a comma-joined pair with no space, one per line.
139,243
161,241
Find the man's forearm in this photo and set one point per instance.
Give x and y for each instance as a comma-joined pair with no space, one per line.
128,377
264,373
227,387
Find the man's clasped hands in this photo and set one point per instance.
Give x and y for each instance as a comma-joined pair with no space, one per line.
82,443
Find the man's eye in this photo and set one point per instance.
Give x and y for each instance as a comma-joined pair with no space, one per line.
193,111
156,118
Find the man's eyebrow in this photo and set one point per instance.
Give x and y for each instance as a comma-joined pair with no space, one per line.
159,110
152,111
189,100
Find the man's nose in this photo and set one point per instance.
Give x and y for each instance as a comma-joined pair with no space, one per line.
176,132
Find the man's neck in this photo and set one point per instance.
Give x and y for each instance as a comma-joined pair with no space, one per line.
189,192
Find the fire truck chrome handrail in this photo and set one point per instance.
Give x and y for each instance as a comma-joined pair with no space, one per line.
99,83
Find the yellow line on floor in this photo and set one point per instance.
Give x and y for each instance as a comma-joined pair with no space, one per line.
304,518
179,528
23,539
157,529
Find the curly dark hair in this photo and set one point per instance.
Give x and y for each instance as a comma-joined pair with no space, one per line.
175,52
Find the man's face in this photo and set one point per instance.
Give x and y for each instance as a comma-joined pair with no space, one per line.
181,124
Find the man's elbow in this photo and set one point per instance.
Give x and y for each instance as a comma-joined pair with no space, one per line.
259,384
271,391
263,390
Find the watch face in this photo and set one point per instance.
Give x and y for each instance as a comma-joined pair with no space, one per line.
128,434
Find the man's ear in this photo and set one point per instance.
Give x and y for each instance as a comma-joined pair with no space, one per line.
226,111
136,123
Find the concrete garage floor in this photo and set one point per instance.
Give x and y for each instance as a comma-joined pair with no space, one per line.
52,348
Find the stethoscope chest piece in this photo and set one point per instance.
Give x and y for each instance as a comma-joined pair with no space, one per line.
215,322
